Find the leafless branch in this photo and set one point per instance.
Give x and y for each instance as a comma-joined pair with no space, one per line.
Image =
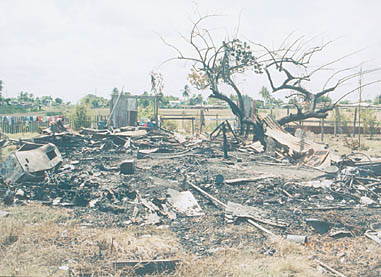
333,62
355,89
171,46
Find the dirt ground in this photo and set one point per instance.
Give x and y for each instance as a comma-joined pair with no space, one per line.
341,144
38,238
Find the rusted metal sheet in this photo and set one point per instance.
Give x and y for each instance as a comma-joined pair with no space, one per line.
29,160
307,151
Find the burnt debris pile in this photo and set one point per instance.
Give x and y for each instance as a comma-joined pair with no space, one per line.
199,186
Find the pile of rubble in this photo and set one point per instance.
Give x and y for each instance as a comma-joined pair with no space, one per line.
146,176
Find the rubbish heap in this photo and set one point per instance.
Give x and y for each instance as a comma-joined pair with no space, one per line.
144,176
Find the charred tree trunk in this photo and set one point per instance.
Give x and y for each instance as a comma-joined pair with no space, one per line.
233,106
322,113
258,130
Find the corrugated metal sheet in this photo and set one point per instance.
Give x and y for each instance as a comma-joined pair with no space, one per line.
125,112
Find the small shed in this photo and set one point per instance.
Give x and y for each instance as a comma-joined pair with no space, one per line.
123,110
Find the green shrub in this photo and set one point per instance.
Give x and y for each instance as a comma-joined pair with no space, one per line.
9,109
369,121
145,112
80,117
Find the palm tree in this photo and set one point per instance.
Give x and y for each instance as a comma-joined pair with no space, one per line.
265,95
186,92
115,91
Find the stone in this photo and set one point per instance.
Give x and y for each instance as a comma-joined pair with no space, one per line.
127,167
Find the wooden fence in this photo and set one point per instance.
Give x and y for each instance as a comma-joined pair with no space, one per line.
25,124
19,124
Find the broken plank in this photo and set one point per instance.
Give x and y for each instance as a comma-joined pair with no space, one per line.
327,208
136,133
148,151
149,205
250,212
330,269
218,202
374,235
175,155
287,193
247,180
260,227
215,200
145,267
256,146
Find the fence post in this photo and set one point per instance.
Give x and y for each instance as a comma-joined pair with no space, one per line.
322,129
182,122
192,126
225,143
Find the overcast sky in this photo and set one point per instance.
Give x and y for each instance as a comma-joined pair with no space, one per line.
69,48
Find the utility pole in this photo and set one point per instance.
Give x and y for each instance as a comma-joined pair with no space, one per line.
1,92
360,91
354,124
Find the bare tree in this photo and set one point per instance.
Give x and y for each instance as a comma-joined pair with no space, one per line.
214,64
293,62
